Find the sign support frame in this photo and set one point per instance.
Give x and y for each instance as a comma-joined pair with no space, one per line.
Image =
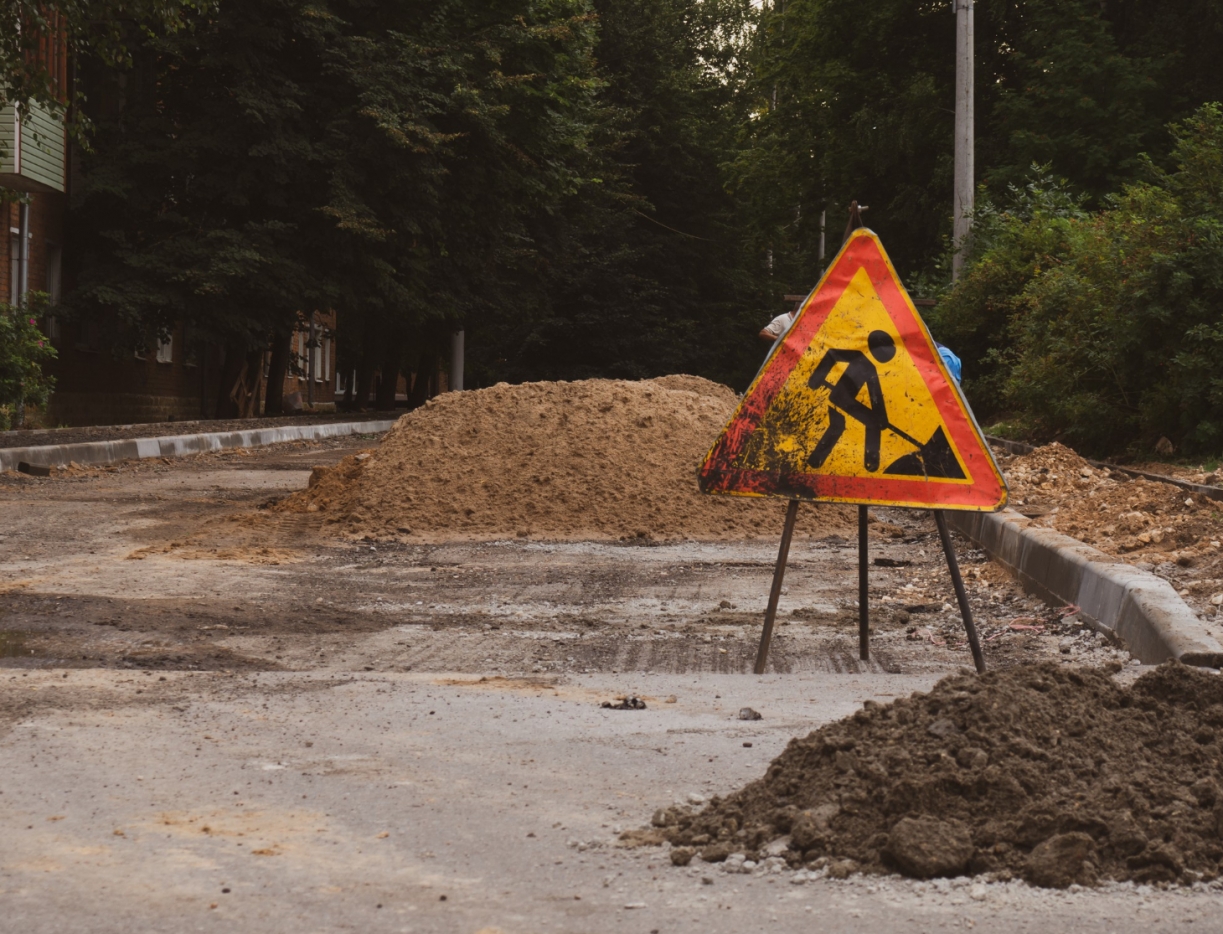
783,554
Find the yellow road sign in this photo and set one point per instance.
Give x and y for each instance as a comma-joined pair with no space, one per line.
855,405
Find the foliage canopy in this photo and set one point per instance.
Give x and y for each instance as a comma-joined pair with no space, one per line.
1105,328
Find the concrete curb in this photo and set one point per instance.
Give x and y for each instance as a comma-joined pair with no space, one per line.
107,452
1134,605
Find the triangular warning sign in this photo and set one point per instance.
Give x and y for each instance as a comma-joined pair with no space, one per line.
855,405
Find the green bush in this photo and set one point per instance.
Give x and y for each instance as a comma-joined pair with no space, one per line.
1103,330
1011,244
24,350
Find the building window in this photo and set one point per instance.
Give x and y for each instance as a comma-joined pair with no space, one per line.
326,359
165,349
89,336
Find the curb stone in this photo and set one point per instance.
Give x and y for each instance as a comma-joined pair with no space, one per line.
1142,610
107,452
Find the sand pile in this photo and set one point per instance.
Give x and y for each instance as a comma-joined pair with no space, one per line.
590,459
1053,774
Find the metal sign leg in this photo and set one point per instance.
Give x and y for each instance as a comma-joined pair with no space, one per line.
961,596
864,610
770,615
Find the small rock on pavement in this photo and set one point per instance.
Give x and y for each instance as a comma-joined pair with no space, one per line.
682,856
746,713
926,847
778,846
842,868
694,798
715,852
1062,860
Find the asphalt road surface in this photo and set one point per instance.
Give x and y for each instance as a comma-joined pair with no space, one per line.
216,718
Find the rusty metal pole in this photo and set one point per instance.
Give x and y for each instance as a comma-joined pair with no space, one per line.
779,573
864,611
961,595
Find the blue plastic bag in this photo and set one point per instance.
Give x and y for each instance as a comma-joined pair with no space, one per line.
954,366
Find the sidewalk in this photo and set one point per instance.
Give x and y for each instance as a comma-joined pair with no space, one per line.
132,442
48,436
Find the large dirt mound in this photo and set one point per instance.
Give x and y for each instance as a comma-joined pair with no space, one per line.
1057,775
590,459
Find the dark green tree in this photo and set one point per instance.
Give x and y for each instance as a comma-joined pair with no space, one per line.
1103,329
397,162
36,36
854,100
457,131
200,203
648,268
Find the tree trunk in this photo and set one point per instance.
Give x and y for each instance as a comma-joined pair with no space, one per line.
390,376
230,369
425,367
278,368
365,384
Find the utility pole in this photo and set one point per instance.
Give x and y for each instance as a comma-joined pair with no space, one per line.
823,221
963,133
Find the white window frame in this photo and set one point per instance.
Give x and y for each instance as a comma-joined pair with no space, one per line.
165,350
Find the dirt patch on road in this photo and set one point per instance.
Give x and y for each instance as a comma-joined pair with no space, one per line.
1057,775
595,459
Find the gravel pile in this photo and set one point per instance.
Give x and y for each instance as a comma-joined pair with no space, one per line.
1156,526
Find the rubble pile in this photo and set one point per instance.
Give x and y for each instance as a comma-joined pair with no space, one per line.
1154,525
1056,775
594,459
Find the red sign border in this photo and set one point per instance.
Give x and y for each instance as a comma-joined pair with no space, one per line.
985,490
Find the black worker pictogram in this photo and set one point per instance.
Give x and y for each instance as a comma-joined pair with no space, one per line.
843,398
934,458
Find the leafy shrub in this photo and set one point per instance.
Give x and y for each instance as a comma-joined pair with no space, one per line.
24,350
1104,330
1011,243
